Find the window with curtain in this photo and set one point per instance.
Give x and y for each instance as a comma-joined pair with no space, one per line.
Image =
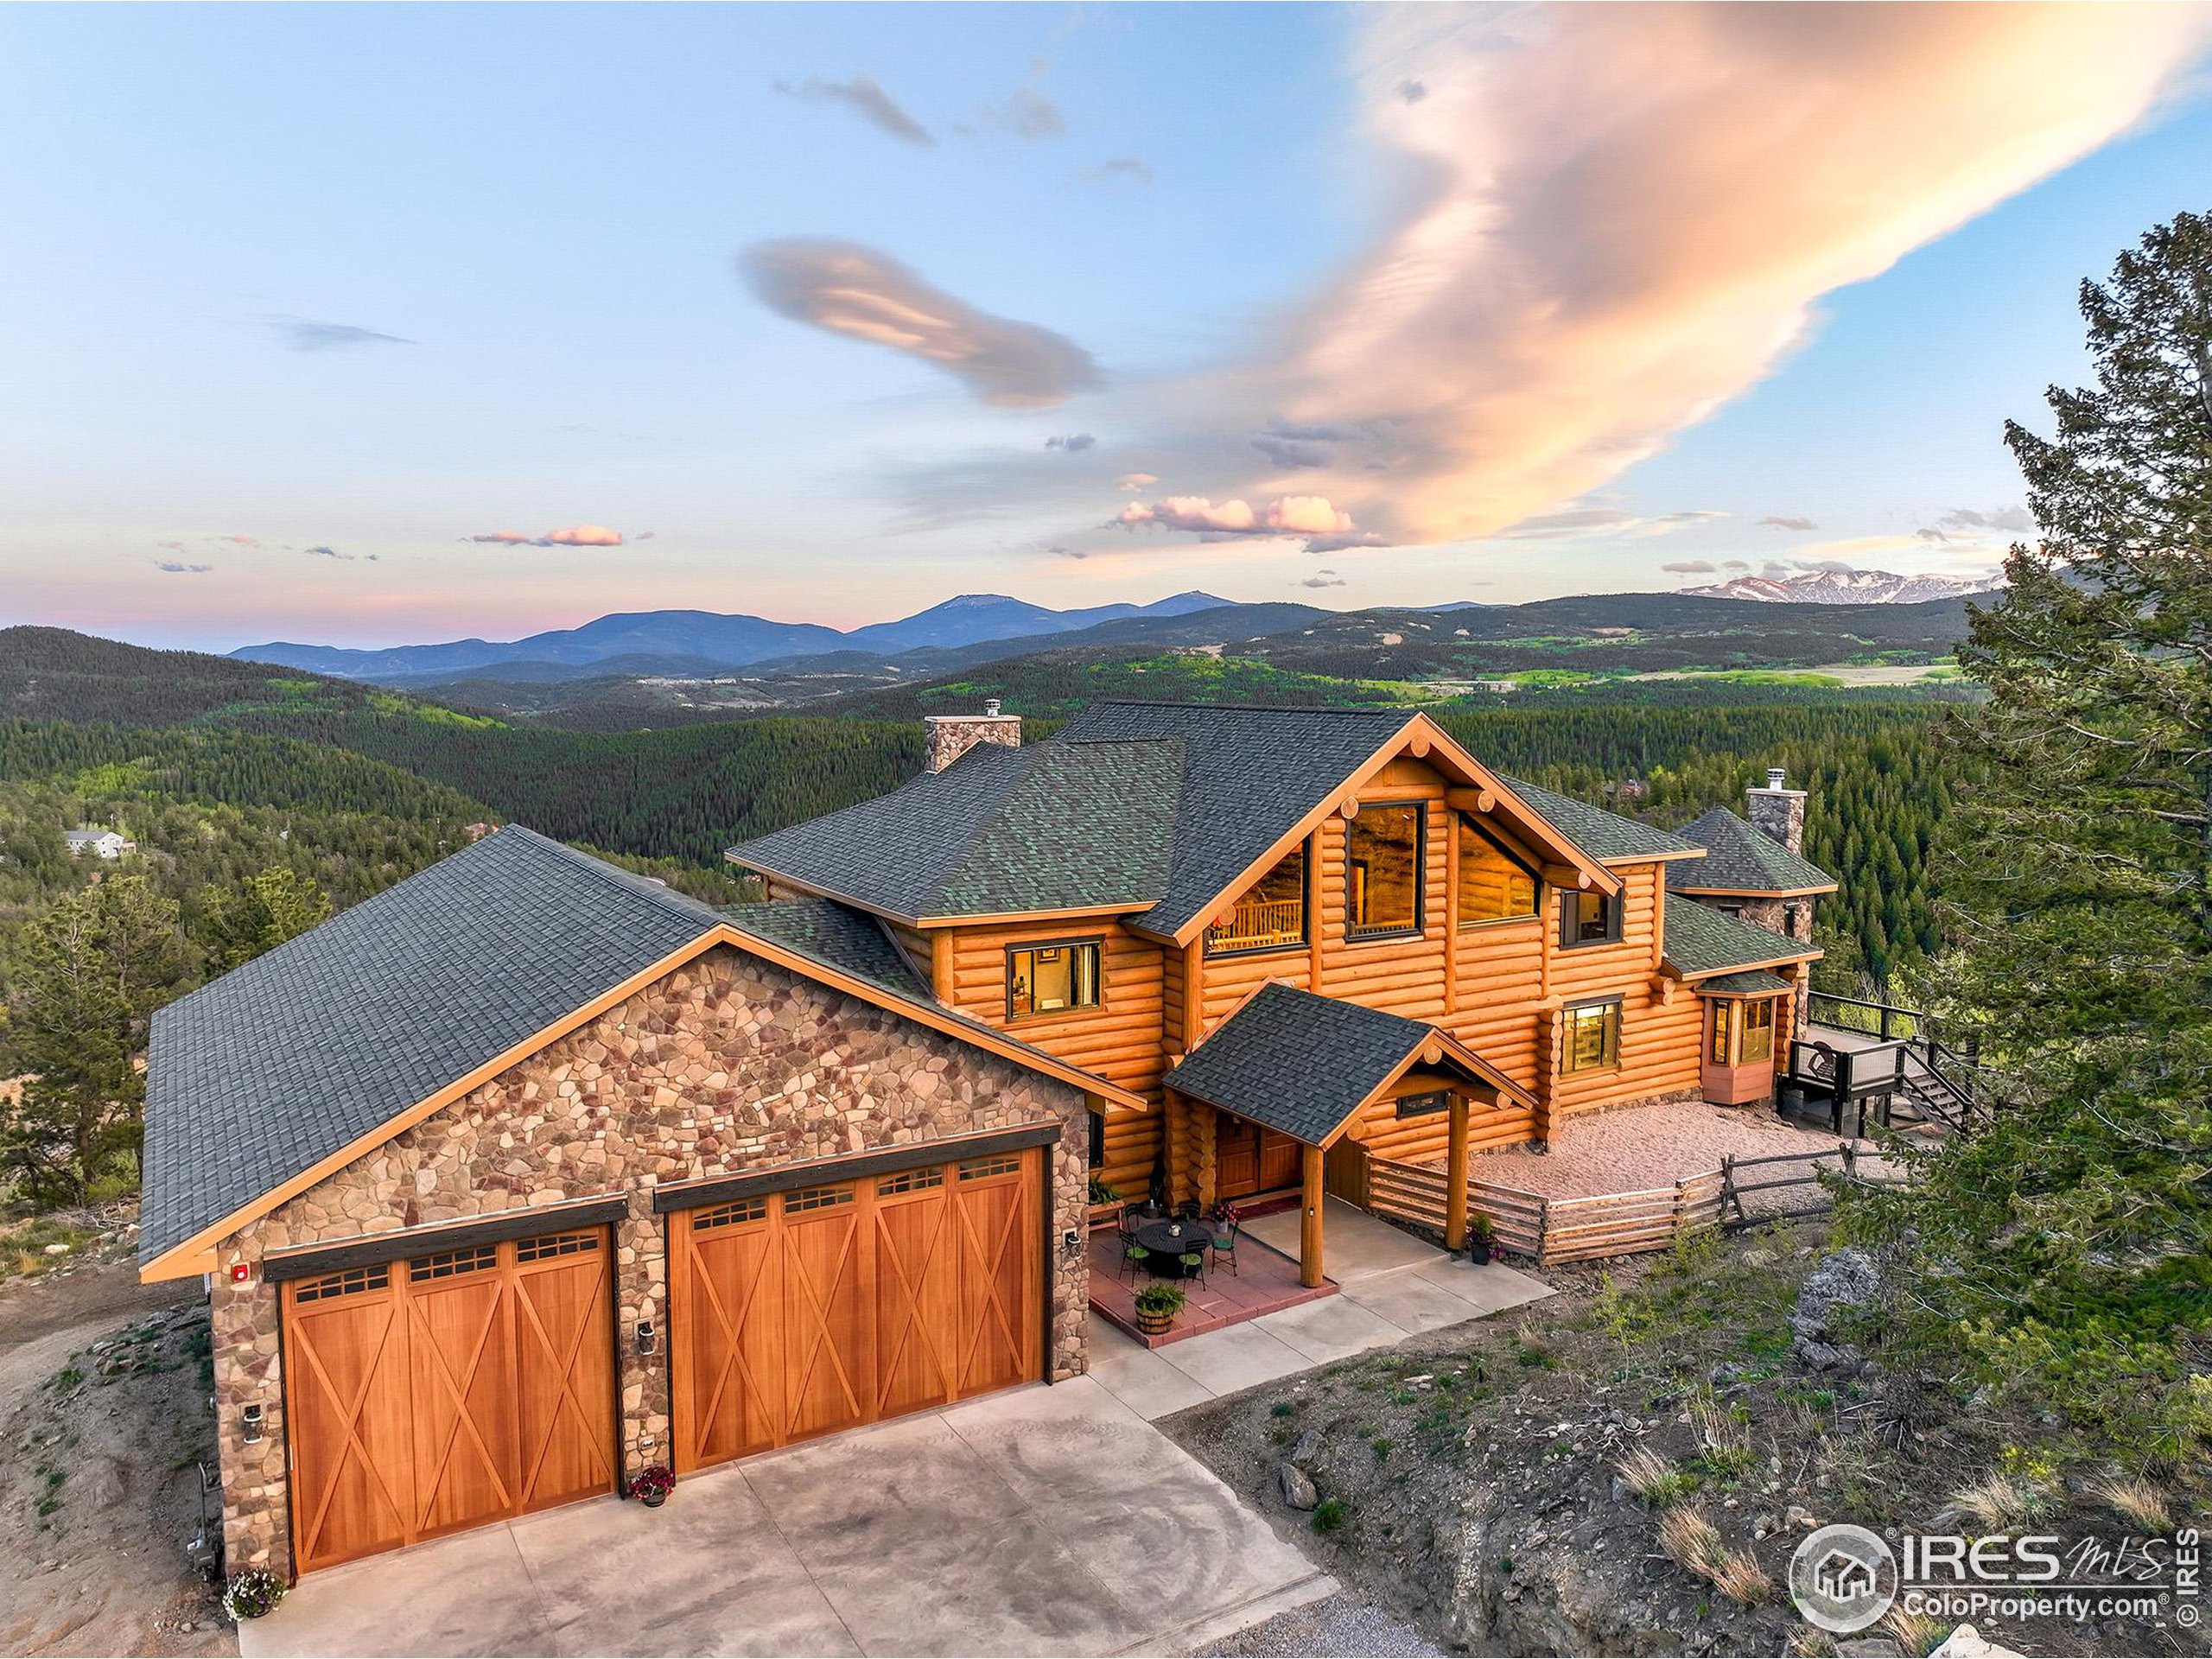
1050,978
1383,870
1724,1027
1593,1040
1494,884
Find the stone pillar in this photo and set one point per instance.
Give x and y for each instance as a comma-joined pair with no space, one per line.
256,1529
1067,1251
952,736
642,1380
1779,812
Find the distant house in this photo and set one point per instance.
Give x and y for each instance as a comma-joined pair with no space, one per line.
101,844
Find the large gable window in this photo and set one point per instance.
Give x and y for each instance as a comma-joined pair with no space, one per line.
1271,916
1382,869
1495,886
1051,978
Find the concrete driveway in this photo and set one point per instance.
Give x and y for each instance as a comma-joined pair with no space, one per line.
1045,1521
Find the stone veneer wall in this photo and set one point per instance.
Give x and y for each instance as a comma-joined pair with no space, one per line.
729,1064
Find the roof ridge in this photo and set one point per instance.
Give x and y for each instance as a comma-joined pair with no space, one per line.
655,893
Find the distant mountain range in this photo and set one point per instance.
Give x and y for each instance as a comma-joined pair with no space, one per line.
1845,587
701,642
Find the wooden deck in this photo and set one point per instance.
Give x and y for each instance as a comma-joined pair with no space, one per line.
1267,1283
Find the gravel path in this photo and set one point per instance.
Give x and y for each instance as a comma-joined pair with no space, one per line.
1341,1624
1641,1147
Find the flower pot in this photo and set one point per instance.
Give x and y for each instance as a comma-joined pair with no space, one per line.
652,1500
1479,1253
1157,1324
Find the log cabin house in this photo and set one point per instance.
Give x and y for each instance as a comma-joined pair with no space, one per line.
528,1175
1140,894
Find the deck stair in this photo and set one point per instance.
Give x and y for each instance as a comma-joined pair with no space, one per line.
1861,1058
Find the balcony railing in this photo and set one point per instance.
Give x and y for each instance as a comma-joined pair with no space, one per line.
1260,924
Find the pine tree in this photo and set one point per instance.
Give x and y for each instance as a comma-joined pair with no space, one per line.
260,913
2064,1247
95,965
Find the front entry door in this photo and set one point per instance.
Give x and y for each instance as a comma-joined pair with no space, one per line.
1249,1159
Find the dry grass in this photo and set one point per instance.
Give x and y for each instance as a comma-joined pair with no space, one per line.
1691,1541
1916,1633
1724,1439
2135,1498
1655,1478
2001,1502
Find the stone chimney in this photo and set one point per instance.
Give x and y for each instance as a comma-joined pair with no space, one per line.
1779,811
952,735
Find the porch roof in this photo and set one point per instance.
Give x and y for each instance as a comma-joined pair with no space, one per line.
1755,981
1304,1065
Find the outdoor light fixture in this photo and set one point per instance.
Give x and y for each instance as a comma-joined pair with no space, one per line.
250,1422
1071,1245
646,1336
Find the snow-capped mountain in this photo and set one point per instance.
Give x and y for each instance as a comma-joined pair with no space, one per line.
1846,587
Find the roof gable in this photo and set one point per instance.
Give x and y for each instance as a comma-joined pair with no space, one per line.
1741,857
288,1060
1303,1064
1605,836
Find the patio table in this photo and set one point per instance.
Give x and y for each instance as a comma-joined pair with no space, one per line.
1170,1240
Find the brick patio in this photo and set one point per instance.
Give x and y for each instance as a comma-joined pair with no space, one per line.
1267,1282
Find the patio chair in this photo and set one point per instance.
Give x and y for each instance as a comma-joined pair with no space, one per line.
1133,1255
1223,1243
1194,1264
1188,1210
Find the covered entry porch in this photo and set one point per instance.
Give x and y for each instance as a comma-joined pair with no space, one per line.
1304,1083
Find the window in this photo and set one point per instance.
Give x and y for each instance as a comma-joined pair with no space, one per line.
909,1180
1097,1150
730,1215
1271,916
816,1197
1494,884
1383,850
343,1284
1588,919
982,1169
1437,1100
1758,1032
1724,1027
447,1264
1049,978
1592,1042
553,1244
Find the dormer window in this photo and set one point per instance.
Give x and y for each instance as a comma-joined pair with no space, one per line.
1051,978
1382,872
1588,919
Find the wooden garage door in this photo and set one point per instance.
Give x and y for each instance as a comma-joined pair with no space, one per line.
424,1396
805,1312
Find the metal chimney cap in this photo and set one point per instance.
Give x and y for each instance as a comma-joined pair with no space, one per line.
990,705
1774,776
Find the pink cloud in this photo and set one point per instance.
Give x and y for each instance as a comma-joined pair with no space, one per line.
1135,481
575,535
1325,527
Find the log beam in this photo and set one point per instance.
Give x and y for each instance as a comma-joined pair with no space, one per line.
1309,1235
1455,1176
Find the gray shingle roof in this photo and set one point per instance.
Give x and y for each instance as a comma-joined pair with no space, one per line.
1249,776
1740,857
1601,834
1756,981
1701,941
1296,1062
274,1067
835,936
1161,804
1036,828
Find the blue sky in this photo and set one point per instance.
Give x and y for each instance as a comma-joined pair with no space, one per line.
1385,308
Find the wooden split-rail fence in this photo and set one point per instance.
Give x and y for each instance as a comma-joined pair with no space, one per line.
1551,1231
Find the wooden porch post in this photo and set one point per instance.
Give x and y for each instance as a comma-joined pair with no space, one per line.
1309,1240
1455,1176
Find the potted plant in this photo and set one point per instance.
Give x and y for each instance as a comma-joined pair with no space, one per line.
253,1593
650,1487
1104,1195
1482,1237
1157,1304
